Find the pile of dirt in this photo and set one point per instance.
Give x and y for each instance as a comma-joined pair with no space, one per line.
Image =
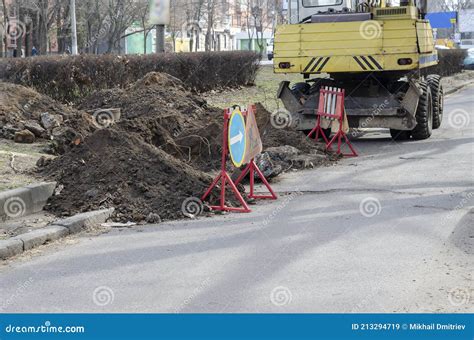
165,114
152,159
23,109
139,180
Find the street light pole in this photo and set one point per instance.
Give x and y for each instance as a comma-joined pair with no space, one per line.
160,38
73,27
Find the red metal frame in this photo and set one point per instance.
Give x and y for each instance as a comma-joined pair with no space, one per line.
224,177
319,131
339,115
252,168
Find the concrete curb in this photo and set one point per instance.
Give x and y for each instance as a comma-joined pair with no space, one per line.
71,225
10,248
25,201
457,88
76,223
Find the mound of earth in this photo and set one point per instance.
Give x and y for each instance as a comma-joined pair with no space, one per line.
165,114
22,108
111,169
152,159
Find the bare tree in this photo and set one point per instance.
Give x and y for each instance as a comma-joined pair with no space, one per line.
5,25
455,5
194,10
178,21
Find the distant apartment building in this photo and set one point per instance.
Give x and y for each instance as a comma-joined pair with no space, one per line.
238,25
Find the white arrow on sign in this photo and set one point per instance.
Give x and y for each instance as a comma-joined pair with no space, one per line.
237,139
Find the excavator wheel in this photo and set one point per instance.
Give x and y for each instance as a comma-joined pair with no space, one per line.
424,114
434,82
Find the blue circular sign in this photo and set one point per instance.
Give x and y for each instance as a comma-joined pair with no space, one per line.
237,139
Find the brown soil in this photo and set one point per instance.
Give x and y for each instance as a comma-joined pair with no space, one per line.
19,103
20,106
111,169
153,158
166,115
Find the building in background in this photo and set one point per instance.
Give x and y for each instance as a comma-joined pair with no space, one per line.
466,28
196,25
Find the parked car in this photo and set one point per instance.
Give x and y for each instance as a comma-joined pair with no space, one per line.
469,60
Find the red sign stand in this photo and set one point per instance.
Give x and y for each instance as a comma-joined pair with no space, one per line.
252,168
224,177
331,100
319,131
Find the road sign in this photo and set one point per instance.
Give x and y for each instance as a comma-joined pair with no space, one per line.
254,142
159,12
237,138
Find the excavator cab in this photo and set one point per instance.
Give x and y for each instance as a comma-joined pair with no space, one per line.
301,11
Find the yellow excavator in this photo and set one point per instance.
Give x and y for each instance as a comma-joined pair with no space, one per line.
380,52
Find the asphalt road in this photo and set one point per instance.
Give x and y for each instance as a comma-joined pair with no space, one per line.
389,231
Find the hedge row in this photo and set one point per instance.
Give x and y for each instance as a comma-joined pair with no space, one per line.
450,62
69,78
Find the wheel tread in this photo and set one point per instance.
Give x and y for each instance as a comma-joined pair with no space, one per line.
434,82
423,128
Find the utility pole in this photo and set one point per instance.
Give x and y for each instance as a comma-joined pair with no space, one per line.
73,27
160,38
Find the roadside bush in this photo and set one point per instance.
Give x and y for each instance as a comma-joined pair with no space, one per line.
69,78
450,62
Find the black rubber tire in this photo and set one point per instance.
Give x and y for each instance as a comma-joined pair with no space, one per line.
400,135
434,82
300,89
424,114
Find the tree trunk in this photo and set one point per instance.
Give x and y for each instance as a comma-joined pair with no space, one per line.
3,43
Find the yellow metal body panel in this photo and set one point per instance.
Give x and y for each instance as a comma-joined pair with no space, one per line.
362,46
425,37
